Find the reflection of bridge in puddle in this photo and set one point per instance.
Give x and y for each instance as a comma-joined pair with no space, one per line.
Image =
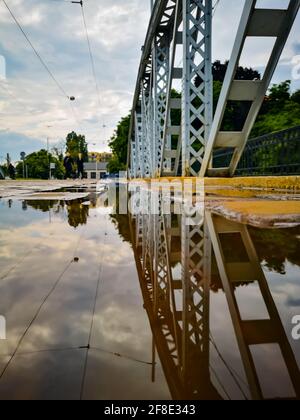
178,306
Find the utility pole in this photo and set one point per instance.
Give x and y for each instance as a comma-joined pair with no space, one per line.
49,163
49,160
23,156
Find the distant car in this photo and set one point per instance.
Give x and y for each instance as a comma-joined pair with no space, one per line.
114,176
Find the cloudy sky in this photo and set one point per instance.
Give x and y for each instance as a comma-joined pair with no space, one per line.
32,107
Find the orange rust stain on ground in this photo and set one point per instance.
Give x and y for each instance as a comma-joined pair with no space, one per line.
230,192
264,208
291,183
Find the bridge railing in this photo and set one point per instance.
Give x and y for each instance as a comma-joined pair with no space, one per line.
271,154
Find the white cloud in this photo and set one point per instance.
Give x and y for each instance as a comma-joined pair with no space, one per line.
117,32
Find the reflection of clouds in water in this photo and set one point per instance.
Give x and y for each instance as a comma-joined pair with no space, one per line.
272,372
120,256
283,291
115,328
121,324
21,240
294,303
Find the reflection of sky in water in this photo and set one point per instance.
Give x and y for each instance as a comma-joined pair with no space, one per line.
285,289
34,252
121,326
13,217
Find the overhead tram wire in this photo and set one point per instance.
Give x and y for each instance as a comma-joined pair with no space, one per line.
62,90
92,60
91,55
44,64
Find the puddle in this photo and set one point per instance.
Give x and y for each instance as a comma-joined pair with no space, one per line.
64,196
180,312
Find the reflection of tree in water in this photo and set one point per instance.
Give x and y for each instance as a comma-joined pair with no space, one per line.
276,247
121,223
45,205
77,213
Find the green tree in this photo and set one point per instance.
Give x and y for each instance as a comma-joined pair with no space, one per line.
280,111
114,165
243,73
119,145
76,144
277,247
38,166
296,97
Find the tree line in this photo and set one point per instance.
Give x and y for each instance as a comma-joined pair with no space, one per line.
280,110
37,165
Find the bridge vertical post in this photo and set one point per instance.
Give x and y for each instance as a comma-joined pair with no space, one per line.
147,132
133,158
197,98
139,144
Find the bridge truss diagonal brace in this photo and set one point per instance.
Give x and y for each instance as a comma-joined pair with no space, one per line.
197,101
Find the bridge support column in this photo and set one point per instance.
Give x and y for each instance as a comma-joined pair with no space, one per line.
139,145
147,130
197,99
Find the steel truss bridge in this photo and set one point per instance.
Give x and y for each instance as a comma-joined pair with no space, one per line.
183,28
177,263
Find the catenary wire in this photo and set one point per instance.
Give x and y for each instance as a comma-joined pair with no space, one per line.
63,92
93,318
220,383
48,295
91,55
231,371
44,64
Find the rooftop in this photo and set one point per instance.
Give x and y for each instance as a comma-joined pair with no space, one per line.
92,166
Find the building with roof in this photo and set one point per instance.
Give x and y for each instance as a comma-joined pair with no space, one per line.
95,170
